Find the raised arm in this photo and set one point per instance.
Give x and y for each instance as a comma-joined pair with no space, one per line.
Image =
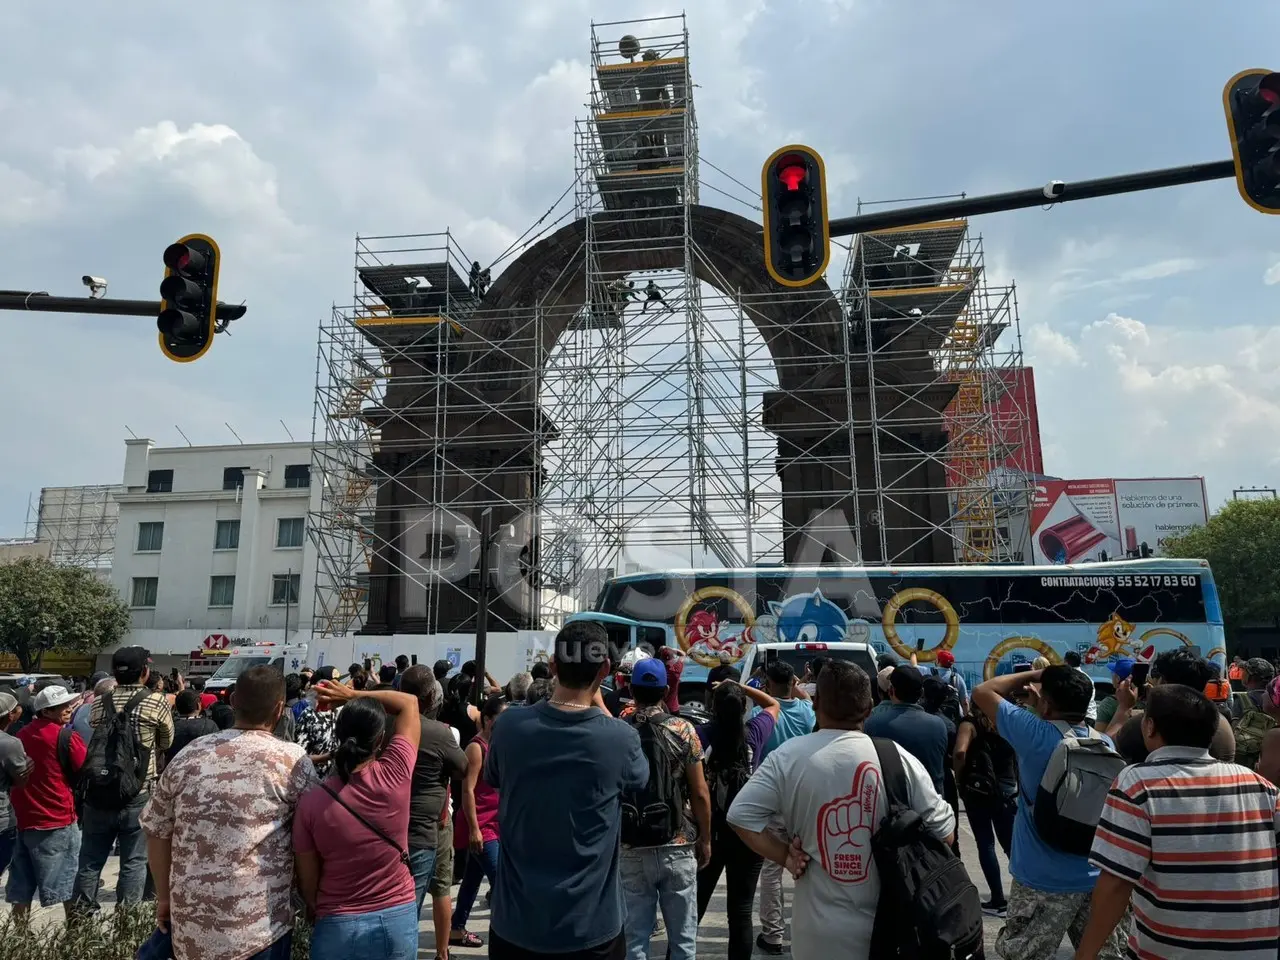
401,706
760,699
987,696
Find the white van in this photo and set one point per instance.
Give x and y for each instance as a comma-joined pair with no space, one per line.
799,654
284,657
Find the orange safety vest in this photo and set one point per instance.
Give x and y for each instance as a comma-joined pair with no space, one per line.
1219,691
1235,672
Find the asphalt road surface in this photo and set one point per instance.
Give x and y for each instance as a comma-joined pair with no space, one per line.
713,934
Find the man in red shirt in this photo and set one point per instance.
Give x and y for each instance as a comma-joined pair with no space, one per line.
48,847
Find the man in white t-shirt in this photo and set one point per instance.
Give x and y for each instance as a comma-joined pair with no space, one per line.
827,789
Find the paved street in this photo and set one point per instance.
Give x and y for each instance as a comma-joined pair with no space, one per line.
713,935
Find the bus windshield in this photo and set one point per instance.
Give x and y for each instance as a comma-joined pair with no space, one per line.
235,666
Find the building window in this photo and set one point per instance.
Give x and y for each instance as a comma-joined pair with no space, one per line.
297,475
150,536
289,532
233,477
222,591
285,588
227,535
159,481
144,591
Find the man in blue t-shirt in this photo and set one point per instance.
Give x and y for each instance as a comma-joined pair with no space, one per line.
1049,895
560,768
795,719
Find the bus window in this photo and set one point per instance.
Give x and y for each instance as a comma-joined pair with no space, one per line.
619,636
656,637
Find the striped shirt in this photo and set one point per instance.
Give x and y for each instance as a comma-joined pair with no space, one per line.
152,720
1197,838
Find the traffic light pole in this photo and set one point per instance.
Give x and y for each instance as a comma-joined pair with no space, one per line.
1035,197
42,302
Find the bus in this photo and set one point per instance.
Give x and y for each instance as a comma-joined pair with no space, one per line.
991,617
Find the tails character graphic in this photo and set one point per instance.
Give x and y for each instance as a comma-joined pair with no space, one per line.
1115,638
809,618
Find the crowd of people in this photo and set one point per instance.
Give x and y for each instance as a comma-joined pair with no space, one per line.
602,811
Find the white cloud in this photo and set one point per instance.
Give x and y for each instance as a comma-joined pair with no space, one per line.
1272,276
1047,346
24,199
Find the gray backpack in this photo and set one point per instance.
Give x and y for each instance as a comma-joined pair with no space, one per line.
1074,790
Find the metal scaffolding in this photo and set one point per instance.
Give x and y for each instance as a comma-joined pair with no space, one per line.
78,523
635,394
934,333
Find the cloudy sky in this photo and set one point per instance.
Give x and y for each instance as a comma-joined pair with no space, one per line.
287,128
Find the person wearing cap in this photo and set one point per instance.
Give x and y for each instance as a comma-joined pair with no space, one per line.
14,768
948,674
48,841
1105,709
151,718
666,877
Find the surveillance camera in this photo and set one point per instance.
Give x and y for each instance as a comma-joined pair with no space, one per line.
97,285
1054,189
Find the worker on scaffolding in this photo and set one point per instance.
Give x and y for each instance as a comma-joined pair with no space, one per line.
478,280
620,292
653,294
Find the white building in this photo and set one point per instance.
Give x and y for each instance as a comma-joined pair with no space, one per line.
212,542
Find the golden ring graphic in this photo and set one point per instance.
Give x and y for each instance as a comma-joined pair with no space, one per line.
1216,652
1164,632
1009,644
901,599
710,593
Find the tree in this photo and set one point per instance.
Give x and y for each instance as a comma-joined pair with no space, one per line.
44,606
1242,544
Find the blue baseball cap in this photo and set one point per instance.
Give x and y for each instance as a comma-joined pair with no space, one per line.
1122,667
649,673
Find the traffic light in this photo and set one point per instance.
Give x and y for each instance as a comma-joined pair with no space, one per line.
189,297
797,246
1252,103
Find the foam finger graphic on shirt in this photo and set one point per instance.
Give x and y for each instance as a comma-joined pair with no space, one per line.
845,825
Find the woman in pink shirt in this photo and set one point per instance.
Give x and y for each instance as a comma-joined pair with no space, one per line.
476,821
351,834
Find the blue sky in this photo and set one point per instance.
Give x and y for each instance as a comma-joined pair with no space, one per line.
286,129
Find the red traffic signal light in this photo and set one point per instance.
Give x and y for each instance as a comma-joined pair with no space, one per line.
189,298
1251,101
797,244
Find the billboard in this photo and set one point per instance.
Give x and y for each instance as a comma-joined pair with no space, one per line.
1074,521
1014,426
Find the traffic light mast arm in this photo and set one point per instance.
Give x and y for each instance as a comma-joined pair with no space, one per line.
42,302
1034,197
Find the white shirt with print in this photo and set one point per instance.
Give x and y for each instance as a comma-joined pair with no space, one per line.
827,788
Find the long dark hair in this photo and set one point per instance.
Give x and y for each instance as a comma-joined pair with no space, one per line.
728,731
361,731
489,710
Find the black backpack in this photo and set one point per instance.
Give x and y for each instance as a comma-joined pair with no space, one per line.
725,777
950,705
115,768
929,909
654,816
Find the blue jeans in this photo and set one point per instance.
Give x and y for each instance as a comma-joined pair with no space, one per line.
486,864
99,831
990,825
282,949
44,861
390,934
422,864
8,840
665,877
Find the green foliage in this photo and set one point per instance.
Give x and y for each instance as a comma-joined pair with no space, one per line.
109,935
44,606
1242,544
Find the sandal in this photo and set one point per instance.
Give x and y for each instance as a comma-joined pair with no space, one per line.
468,939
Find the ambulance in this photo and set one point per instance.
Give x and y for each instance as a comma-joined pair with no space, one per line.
287,658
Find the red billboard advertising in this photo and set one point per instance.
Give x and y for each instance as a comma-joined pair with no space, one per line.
1014,428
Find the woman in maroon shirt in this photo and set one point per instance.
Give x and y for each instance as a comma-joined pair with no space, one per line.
351,834
476,821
